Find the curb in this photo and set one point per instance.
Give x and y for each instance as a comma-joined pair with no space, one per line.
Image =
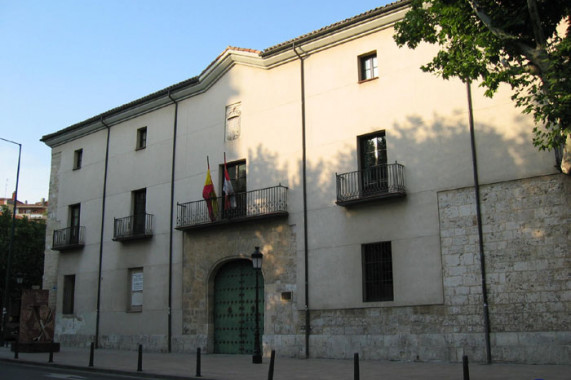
148,375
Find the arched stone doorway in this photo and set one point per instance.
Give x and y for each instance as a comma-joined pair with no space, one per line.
234,307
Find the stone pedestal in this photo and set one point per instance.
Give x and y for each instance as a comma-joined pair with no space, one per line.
36,323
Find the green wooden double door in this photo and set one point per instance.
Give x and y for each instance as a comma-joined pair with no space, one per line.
234,308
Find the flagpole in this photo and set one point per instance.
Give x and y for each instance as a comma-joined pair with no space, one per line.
208,162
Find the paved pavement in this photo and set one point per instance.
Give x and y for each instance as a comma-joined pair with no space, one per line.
240,367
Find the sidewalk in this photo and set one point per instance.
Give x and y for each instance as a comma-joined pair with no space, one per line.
240,367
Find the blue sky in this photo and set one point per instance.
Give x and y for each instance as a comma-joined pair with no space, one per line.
64,61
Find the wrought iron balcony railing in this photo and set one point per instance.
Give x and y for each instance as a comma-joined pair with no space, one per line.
378,182
68,238
133,227
263,203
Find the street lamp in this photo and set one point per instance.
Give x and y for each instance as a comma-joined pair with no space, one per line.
10,248
257,257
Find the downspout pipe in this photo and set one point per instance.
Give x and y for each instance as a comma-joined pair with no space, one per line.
171,229
304,176
480,233
104,197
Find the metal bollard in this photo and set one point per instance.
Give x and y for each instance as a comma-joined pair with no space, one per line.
51,358
16,350
465,368
91,349
356,374
198,362
140,360
271,369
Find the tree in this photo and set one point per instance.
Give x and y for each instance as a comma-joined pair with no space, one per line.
524,43
28,251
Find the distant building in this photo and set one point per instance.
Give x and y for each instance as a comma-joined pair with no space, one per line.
352,170
36,210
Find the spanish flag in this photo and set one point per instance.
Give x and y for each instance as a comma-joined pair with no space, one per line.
209,195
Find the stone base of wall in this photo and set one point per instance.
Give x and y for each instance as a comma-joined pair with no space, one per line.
151,343
74,340
400,347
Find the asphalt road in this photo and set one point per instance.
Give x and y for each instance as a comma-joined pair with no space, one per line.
14,371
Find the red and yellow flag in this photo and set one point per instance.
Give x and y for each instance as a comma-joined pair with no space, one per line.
209,194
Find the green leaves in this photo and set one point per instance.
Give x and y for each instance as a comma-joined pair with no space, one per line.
28,250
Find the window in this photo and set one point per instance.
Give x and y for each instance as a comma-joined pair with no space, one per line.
372,150
77,157
68,294
139,211
368,68
136,289
237,174
377,272
141,138
74,215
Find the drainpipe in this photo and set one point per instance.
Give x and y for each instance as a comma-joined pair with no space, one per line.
305,234
101,235
175,125
480,234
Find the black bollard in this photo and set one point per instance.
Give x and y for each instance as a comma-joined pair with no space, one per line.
91,349
140,360
51,359
356,374
198,362
16,350
465,368
271,370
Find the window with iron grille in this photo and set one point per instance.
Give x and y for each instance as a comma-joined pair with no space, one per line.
68,294
377,272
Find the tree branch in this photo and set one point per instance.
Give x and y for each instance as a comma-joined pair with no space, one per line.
536,24
536,55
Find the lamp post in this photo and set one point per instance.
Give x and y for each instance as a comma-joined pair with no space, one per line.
10,249
257,257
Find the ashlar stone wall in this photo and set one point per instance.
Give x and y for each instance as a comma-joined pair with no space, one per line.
205,251
527,235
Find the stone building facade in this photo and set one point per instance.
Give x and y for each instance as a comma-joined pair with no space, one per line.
353,174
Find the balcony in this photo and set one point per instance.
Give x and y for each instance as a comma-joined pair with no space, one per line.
68,238
133,227
257,204
372,184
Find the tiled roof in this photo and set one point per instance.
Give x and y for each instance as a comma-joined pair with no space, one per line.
335,27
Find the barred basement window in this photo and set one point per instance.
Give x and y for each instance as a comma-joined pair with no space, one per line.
377,272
